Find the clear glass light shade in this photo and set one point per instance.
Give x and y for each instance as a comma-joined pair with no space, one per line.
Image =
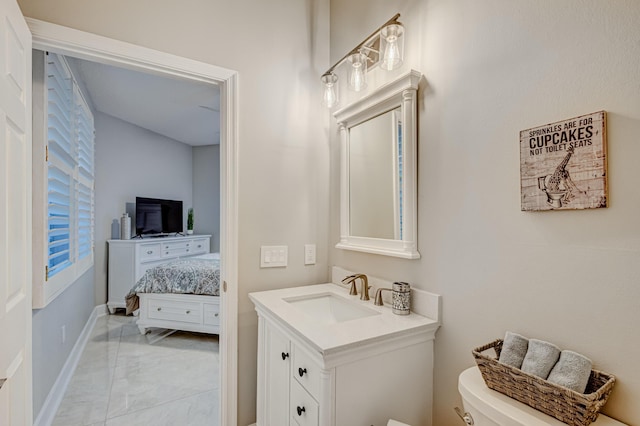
358,71
392,46
330,95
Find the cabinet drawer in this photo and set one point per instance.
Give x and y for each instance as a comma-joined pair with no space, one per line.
306,372
174,245
211,314
175,311
304,409
149,251
175,252
200,246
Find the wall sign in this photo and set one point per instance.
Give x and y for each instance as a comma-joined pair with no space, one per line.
563,165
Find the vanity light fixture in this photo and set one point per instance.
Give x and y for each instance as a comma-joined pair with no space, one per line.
385,45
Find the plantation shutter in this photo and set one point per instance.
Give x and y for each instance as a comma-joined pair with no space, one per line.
85,137
61,165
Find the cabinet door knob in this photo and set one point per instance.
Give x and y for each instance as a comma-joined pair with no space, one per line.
300,410
301,371
188,312
285,355
199,246
187,250
149,251
159,309
216,314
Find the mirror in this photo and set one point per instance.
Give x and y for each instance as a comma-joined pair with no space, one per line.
378,171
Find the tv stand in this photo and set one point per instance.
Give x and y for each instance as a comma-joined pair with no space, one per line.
130,259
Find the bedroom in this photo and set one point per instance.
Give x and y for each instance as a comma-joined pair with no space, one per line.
138,119
493,68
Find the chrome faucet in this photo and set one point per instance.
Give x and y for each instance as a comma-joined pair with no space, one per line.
364,289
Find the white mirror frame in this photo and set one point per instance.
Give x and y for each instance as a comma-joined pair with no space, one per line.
399,93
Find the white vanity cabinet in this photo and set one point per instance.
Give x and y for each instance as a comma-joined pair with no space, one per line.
130,259
307,379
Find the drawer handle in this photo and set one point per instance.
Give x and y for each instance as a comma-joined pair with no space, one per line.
215,315
199,245
159,309
188,312
285,355
187,244
302,371
187,249
166,252
149,251
300,410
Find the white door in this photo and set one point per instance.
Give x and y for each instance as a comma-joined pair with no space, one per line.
15,216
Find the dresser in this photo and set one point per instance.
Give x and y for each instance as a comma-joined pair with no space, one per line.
130,259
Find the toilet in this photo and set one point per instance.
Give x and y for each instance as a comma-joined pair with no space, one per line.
486,407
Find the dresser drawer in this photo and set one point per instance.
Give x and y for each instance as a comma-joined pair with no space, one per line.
304,409
175,311
211,314
176,252
175,245
200,246
149,252
306,372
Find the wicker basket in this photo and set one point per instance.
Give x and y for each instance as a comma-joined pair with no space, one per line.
568,406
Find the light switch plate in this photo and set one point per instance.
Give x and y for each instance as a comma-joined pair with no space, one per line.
273,256
309,254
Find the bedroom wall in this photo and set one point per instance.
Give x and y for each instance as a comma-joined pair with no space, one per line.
493,68
279,49
132,161
206,193
70,309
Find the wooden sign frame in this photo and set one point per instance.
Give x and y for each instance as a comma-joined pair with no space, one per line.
563,165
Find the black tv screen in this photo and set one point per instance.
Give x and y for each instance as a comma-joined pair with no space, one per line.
156,216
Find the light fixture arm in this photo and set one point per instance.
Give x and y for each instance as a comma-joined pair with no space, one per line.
393,20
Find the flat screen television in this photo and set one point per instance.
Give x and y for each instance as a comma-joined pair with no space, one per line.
156,217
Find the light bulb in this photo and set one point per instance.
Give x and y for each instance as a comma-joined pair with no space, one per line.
358,71
330,90
392,41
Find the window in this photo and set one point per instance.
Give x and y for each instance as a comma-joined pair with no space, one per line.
64,206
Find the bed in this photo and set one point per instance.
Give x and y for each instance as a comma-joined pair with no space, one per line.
182,294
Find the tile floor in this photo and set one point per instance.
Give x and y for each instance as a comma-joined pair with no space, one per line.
124,378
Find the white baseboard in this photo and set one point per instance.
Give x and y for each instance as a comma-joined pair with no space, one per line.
51,404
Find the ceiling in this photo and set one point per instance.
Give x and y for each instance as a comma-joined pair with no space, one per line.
185,110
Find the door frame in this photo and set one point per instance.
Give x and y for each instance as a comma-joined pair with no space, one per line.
88,46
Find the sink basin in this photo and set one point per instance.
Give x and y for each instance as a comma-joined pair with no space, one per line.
328,308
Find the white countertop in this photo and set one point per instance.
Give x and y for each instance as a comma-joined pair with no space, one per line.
329,338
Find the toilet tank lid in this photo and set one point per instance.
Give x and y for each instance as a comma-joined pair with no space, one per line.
504,410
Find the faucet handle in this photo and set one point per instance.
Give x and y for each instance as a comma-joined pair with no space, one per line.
378,299
351,279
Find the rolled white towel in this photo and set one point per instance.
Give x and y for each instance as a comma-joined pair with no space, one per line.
540,358
514,349
571,371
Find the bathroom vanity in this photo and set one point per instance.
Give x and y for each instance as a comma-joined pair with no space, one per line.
327,358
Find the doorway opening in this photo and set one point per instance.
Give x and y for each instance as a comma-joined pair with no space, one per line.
90,47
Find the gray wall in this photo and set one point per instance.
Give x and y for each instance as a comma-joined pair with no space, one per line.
206,193
283,149
70,309
130,162
493,68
